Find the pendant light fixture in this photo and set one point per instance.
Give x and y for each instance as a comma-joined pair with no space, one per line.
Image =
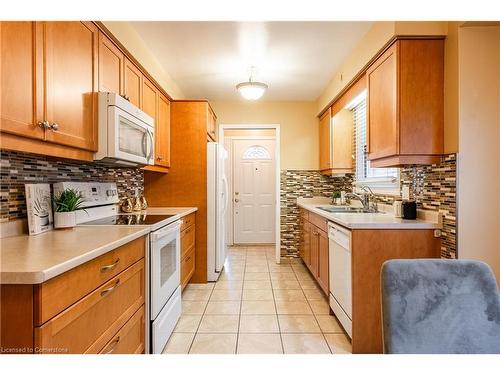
251,90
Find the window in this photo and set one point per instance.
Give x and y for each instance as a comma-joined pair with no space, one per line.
256,152
380,180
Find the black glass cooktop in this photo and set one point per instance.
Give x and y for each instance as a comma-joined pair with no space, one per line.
131,219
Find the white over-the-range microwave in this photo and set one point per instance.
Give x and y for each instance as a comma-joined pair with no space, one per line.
126,134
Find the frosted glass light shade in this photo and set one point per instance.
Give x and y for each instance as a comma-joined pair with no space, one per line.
251,90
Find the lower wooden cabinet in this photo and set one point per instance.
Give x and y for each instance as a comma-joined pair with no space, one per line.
102,308
188,247
314,246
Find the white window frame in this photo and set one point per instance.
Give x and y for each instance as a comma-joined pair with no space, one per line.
379,185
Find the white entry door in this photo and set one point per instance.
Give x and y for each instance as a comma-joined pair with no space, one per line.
254,191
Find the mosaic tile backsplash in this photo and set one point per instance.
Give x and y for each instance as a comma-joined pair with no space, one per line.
433,186
18,168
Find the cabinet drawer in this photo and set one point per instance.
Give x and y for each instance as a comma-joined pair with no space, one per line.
318,221
187,268
187,221
89,324
54,296
187,240
130,338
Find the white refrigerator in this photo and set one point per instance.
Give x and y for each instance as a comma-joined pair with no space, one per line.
217,202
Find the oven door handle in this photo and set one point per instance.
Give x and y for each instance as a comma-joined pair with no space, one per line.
170,229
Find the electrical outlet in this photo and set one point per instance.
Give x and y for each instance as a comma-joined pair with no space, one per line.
405,192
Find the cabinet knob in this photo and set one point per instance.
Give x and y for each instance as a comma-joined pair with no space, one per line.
126,97
159,158
54,127
44,124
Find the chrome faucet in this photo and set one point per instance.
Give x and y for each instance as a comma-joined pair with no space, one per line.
365,198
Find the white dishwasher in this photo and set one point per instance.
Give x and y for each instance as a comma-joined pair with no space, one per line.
340,275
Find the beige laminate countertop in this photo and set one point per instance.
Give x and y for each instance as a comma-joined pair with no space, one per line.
28,259
34,259
425,220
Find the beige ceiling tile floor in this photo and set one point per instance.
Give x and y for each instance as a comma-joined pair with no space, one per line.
293,308
219,324
223,308
298,324
207,286
196,295
289,295
257,307
229,284
257,284
304,343
260,343
214,343
188,323
338,343
256,268
308,284
179,343
285,284
283,276
257,295
193,307
320,307
329,324
253,276
226,295
314,295
259,324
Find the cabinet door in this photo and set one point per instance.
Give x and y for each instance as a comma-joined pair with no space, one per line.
324,141
314,251
382,111
110,66
323,265
21,89
307,244
149,98
132,83
342,139
162,129
71,83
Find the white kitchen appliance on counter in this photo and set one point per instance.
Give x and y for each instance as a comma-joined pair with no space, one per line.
340,275
217,202
126,134
162,256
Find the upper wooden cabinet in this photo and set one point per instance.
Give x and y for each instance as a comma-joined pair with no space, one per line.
324,141
162,153
149,98
335,142
111,65
21,89
405,104
49,80
71,83
211,123
132,83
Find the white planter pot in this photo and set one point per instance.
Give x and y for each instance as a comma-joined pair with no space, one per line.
64,219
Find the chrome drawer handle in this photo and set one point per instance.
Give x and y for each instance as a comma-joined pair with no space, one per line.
109,290
113,345
110,266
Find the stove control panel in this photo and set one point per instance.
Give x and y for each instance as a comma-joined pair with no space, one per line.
94,193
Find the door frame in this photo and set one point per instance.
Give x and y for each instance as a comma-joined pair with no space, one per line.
277,163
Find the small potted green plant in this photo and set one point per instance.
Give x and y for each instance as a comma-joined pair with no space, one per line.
65,205
336,197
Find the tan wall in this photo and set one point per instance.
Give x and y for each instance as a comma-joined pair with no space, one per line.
298,127
376,38
135,45
479,156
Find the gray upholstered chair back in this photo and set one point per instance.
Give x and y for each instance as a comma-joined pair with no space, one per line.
440,306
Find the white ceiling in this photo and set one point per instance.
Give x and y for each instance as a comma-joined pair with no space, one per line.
208,59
